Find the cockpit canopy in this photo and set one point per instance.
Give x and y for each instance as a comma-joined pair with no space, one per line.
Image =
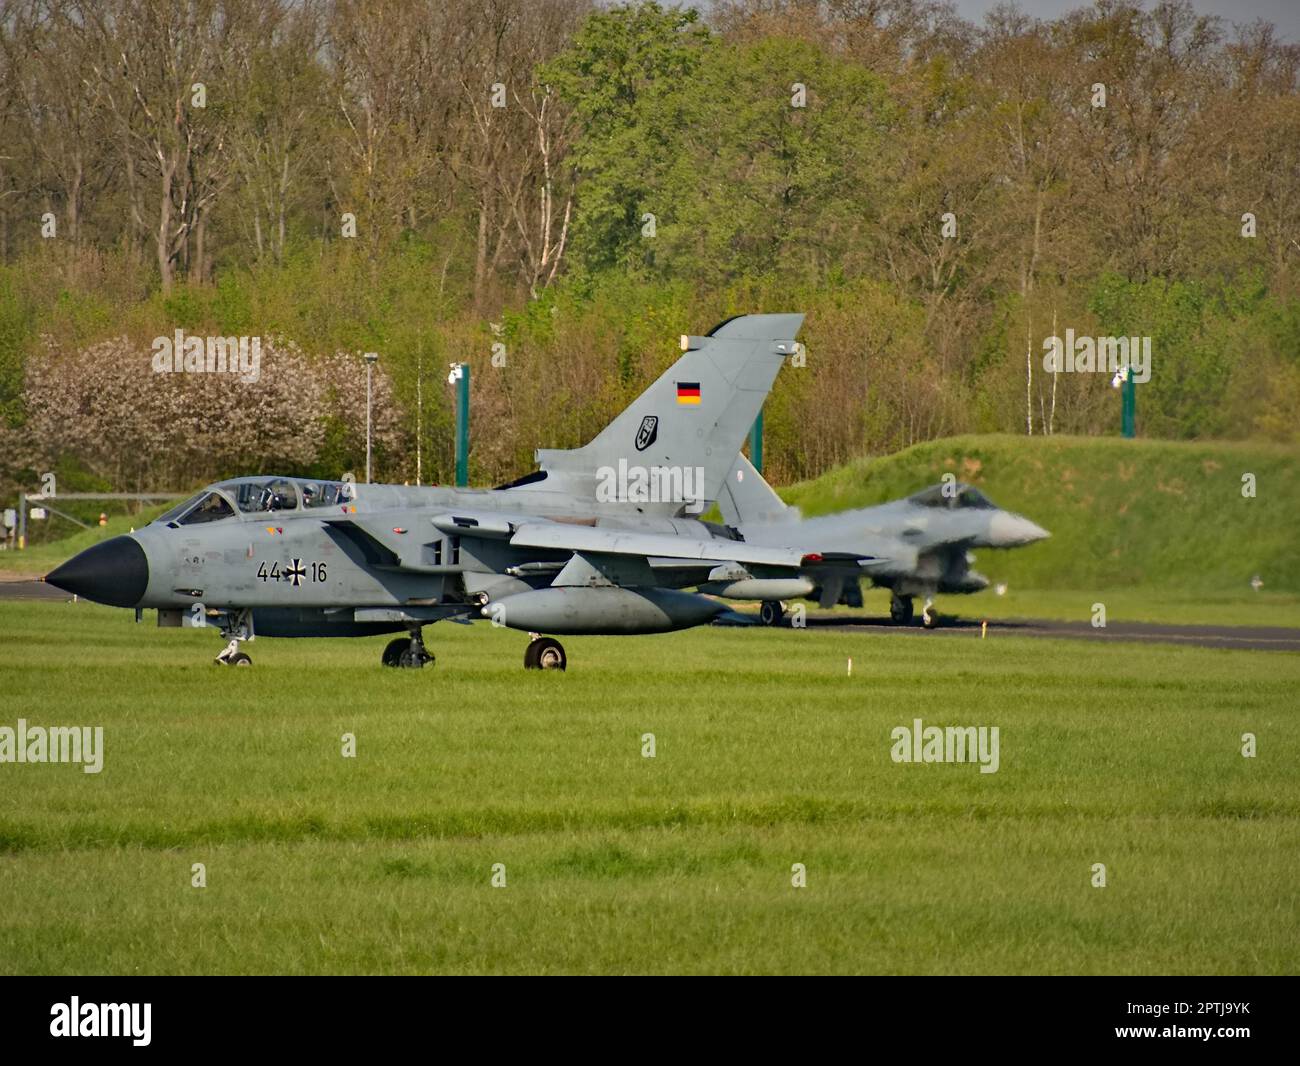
257,495
955,496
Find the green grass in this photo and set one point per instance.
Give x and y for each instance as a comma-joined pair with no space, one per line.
1157,515
768,754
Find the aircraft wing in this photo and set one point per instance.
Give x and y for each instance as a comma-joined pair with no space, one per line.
393,547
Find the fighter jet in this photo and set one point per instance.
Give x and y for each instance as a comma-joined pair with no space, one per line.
923,543
598,540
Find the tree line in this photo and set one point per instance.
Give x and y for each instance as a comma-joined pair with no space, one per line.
553,190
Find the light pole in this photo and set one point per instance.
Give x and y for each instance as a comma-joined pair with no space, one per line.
371,358
1125,382
459,378
419,418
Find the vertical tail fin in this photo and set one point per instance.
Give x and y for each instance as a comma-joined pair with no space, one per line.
696,415
747,499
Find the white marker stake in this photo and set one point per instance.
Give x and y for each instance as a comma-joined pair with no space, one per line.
984,629
850,666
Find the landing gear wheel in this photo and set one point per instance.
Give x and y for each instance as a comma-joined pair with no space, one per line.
415,660
929,617
771,613
900,609
545,653
408,653
232,656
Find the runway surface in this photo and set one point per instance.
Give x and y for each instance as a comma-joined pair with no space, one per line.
26,587
1253,638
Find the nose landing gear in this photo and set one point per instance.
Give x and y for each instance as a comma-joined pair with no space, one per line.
232,656
929,618
237,627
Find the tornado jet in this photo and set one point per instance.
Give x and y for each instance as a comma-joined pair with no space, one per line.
921,545
602,539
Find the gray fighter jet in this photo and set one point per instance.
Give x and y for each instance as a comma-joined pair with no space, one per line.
599,540
924,543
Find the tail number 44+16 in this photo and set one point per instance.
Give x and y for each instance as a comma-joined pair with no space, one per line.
296,572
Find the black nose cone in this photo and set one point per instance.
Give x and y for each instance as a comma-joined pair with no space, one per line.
114,572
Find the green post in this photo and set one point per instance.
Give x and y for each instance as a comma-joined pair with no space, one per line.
1128,413
462,426
756,442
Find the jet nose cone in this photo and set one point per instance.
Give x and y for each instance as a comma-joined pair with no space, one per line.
115,572
1009,530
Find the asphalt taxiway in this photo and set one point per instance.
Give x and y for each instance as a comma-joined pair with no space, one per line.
1251,638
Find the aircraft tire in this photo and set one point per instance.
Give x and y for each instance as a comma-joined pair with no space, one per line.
771,612
239,659
901,610
545,653
395,650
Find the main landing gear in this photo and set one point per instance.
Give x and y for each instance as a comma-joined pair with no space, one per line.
544,653
771,613
408,653
900,609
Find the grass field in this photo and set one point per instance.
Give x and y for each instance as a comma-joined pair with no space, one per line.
768,754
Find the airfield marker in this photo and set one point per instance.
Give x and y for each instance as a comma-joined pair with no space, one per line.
850,666
984,629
